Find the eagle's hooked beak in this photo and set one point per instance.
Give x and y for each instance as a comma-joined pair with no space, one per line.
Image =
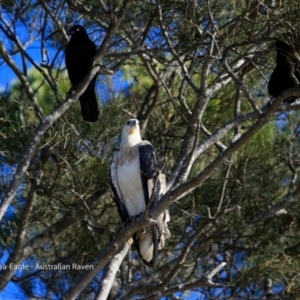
133,126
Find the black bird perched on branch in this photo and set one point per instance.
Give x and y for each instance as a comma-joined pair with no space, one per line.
281,78
80,53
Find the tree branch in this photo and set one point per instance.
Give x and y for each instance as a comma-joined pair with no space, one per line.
185,188
204,282
72,96
24,81
110,272
49,234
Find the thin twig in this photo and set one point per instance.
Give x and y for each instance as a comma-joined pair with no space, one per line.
204,282
7,58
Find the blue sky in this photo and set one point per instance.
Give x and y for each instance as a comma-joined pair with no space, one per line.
8,78
12,290
7,75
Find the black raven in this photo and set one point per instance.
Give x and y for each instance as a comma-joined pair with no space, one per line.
80,53
281,79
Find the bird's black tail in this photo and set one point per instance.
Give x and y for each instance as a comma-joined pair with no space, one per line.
89,103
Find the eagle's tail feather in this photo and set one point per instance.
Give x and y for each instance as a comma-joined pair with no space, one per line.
164,232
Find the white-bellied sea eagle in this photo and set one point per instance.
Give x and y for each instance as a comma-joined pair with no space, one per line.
134,170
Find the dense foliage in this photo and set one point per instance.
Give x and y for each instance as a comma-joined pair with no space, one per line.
195,74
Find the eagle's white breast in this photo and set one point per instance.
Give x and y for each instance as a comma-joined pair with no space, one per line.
130,185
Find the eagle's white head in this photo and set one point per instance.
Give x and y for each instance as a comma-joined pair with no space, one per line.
131,133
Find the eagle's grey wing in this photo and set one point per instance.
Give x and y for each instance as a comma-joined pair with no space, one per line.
117,193
150,165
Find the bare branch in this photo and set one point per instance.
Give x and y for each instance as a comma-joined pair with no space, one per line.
48,234
183,189
72,96
23,80
110,272
205,282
